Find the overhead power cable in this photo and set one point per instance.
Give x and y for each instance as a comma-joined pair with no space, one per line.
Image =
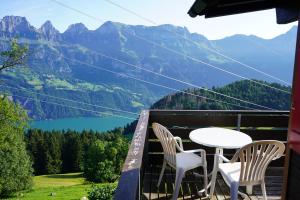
155,84
74,107
170,78
177,80
70,100
210,65
194,59
196,43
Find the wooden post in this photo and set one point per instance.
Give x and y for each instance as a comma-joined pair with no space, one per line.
129,182
294,125
238,128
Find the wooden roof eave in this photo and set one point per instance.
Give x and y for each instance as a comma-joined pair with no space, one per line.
217,8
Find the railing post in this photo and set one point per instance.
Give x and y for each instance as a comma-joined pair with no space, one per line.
129,183
238,126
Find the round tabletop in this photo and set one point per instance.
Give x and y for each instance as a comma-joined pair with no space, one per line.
220,138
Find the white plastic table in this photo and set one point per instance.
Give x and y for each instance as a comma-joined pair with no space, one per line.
220,138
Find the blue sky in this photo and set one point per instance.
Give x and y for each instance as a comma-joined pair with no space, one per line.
262,24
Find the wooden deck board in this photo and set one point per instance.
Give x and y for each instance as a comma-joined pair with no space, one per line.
191,185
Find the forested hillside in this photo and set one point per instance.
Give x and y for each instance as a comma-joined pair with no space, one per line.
245,90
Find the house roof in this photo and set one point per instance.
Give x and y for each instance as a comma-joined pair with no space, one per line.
216,8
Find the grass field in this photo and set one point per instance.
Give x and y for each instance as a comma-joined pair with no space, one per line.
57,180
59,186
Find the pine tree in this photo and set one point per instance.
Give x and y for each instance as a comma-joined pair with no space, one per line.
53,153
71,152
37,150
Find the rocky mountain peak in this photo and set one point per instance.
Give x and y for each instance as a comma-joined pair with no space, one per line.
109,27
15,23
15,26
47,26
76,28
48,32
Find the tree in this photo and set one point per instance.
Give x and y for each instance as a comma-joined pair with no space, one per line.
15,164
71,152
15,56
37,150
53,153
105,157
97,167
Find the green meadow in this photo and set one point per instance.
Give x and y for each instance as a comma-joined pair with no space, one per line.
70,186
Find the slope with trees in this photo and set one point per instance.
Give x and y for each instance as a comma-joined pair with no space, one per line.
245,90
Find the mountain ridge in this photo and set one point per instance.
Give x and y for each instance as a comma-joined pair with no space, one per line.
71,64
18,20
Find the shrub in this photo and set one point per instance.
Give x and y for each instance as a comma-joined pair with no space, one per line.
15,164
102,192
104,159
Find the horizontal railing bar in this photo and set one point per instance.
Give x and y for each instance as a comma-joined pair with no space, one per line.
220,119
193,112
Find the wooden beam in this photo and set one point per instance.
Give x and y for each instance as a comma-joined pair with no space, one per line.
129,183
232,9
293,134
294,125
287,15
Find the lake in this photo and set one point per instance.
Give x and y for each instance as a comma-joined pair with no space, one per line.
81,123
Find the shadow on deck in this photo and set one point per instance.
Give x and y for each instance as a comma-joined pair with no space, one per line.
191,184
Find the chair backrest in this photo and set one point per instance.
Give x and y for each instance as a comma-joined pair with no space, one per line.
167,141
255,158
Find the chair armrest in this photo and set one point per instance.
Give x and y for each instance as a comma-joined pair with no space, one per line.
195,151
202,152
179,141
223,158
277,157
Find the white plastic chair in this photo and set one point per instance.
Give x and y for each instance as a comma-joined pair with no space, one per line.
182,161
253,159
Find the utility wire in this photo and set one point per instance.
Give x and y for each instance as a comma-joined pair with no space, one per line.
197,60
155,84
65,99
210,65
196,43
170,78
195,86
73,107
174,79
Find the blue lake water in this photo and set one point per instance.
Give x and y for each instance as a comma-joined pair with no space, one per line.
81,123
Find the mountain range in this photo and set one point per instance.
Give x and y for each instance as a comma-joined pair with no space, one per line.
121,66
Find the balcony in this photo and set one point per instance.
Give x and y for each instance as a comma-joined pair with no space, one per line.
144,159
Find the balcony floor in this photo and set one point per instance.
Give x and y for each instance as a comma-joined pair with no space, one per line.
192,184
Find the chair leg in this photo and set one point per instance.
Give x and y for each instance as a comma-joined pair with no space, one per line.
263,189
249,189
213,183
205,179
234,189
214,176
179,176
161,173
